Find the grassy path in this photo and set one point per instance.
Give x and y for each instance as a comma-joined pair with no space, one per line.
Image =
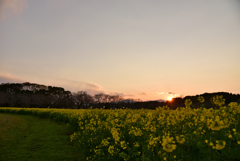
24,138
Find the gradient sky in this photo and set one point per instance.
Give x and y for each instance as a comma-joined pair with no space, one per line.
146,49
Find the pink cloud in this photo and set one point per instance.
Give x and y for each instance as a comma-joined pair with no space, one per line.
11,7
74,86
91,86
8,78
172,94
159,93
129,95
143,93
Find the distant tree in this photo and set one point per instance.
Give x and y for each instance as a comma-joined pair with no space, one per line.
111,98
116,98
99,98
63,99
82,99
4,99
34,95
106,98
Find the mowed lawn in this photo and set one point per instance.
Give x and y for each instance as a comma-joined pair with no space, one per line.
24,138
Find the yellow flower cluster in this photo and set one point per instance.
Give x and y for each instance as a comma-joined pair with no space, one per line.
135,131
105,142
115,134
218,146
180,139
168,144
188,103
218,100
216,124
201,99
153,141
123,145
111,149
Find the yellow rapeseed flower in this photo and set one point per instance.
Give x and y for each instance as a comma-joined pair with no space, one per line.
123,145
211,144
200,99
111,149
105,142
220,144
167,144
136,144
180,139
217,124
188,103
115,134
218,100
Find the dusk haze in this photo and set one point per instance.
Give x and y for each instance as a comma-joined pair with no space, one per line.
139,49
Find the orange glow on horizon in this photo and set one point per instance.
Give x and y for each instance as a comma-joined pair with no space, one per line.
170,99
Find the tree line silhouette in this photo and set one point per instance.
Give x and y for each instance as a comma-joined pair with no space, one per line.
41,96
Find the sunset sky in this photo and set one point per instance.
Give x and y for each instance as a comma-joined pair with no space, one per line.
146,49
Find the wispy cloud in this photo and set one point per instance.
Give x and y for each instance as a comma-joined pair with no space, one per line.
74,86
11,7
159,93
8,78
143,93
92,86
115,93
129,95
172,94
71,85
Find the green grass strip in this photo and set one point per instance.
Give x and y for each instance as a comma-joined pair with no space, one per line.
30,138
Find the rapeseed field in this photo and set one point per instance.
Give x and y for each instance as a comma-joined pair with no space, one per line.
183,134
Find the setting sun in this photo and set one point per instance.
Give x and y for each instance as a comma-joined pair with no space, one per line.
170,99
